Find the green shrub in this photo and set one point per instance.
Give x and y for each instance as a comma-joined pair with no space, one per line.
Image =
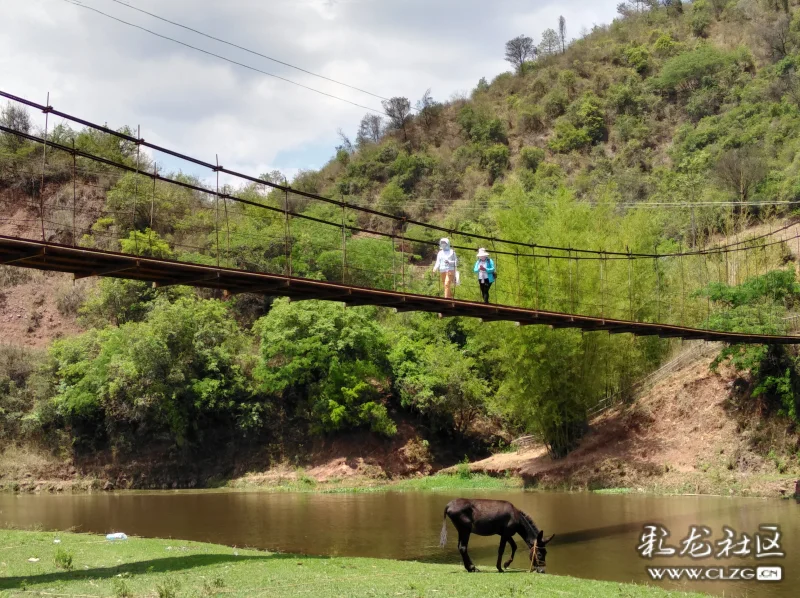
147,243
688,69
435,378
590,117
568,79
118,301
21,381
531,118
704,102
171,376
479,127
625,98
121,589
531,157
392,198
496,160
408,169
369,263
168,588
463,469
756,306
329,360
638,58
665,45
631,127
555,103
568,137
63,559
466,155
700,18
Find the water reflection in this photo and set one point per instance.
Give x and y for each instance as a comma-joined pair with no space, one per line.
596,535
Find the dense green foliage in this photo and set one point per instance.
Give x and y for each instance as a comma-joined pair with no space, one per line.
659,107
175,375
754,306
327,360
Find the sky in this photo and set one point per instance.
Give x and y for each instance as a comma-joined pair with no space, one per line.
108,72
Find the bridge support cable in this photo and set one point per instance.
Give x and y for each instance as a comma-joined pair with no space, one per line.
47,109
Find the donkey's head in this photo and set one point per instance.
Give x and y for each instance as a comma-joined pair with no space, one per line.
534,538
540,557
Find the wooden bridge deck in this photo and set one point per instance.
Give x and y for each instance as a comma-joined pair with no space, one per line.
84,262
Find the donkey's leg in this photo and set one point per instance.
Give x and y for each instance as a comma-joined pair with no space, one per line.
463,541
500,553
513,551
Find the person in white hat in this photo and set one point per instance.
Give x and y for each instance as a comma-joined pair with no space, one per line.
485,270
446,263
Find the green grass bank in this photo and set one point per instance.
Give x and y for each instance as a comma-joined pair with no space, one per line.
89,566
440,481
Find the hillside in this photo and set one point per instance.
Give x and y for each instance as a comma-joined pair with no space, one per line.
683,103
693,432
673,127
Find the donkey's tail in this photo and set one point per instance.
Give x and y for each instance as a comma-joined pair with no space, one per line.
443,534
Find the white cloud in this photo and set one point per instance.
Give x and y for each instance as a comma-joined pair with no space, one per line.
105,71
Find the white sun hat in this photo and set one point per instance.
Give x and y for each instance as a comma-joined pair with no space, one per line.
482,252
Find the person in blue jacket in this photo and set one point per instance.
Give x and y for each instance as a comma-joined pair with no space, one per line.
484,267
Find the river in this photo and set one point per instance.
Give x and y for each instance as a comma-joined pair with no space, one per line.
596,535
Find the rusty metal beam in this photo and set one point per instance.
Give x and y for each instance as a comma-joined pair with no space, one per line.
106,271
16,259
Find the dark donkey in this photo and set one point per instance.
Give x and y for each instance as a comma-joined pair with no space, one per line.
490,517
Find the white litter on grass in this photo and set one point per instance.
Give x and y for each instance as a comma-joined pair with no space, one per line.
33,559
56,541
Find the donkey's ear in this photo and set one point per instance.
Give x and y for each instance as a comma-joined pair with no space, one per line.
548,539
539,537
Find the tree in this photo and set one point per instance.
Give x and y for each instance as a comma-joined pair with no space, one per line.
483,85
776,36
518,50
370,129
550,42
439,381
700,18
562,33
327,361
675,7
740,170
398,110
531,157
495,159
176,375
346,144
429,110
273,176
15,118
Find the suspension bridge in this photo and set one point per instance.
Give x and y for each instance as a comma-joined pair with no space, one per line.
63,236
